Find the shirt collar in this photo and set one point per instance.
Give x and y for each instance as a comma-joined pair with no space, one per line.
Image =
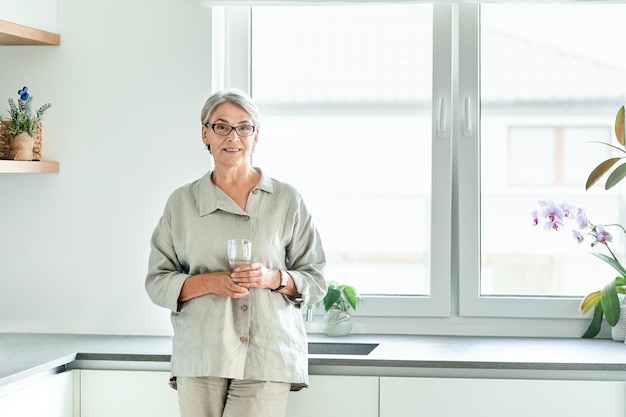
211,198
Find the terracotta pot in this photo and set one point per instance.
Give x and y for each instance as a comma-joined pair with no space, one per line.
21,147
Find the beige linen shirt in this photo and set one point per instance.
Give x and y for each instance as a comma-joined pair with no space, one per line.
258,337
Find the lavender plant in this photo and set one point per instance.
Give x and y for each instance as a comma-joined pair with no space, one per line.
23,119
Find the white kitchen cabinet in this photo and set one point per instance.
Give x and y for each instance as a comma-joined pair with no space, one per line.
346,396
52,396
454,397
127,394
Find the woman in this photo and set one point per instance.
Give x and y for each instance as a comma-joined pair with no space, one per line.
239,340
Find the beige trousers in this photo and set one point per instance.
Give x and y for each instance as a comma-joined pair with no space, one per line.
221,397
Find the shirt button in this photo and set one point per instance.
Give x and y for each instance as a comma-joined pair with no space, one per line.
243,339
254,191
244,308
246,218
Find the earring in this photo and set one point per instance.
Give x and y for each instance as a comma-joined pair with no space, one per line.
208,147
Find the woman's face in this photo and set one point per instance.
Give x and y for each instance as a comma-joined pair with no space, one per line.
232,149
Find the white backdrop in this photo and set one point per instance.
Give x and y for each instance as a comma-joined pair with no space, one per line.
126,85
41,14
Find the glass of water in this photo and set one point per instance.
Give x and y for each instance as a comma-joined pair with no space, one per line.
239,253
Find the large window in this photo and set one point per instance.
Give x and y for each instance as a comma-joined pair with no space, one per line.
423,135
545,95
345,94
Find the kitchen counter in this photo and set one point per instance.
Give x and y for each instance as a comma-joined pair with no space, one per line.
24,356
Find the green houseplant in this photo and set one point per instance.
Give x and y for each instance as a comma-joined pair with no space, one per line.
337,302
606,302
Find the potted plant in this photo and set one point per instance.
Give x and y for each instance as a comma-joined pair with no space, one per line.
605,303
23,125
337,303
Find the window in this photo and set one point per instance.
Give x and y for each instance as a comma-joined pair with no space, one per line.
345,94
455,118
347,110
545,95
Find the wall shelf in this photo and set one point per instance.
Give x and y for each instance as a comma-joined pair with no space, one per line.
15,34
24,167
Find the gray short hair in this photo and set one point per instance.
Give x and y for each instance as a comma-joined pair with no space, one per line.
234,96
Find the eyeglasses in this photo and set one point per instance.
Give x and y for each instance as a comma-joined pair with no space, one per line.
224,129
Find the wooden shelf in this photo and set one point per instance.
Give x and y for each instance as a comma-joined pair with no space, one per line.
14,34
24,167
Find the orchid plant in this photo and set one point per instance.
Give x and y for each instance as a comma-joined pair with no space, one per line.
552,216
23,119
605,302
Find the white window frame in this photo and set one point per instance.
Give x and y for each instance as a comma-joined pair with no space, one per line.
455,305
232,33
471,303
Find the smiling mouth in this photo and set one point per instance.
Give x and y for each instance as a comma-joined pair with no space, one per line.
232,149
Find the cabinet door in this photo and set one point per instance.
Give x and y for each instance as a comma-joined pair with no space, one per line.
127,394
345,396
50,397
453,397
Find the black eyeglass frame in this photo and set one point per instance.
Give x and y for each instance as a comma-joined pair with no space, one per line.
231,128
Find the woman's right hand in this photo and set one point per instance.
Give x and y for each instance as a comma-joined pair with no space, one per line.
223,285
211,283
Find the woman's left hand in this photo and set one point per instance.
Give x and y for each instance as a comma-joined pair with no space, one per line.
254,275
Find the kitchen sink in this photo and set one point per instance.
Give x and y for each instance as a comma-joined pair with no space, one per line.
330,348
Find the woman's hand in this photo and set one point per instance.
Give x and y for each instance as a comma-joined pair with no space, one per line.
256,275
223,285
211,283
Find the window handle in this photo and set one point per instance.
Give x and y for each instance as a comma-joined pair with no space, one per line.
441,121
467,118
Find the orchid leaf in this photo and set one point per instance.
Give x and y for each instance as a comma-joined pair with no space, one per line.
619,283
599,171
616,176
596,323
610,303
590,301
619,127
615,264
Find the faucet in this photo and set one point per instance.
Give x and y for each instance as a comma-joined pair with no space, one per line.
309,313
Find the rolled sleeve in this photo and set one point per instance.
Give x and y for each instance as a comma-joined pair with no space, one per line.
165,278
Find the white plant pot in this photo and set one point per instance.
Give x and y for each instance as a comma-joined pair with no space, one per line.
618,332
337,323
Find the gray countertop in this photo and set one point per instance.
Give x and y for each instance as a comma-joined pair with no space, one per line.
25,355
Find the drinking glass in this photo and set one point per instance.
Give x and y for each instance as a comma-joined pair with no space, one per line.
239,253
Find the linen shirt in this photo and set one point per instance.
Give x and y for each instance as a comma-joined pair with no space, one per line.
261,336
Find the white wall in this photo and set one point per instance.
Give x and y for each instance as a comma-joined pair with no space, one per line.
41,14
126,86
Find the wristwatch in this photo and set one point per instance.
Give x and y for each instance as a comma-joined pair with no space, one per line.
284,280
